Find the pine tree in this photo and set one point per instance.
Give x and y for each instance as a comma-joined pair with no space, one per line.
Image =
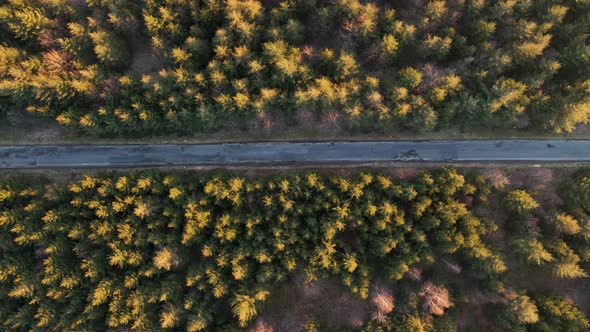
389,46
244,308
346,66
520,202
575,107
569,269
523,310
533,251
110,49
410,77
509,96
165,259
566,224
25,22
560,314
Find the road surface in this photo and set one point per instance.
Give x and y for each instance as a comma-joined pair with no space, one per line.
80,156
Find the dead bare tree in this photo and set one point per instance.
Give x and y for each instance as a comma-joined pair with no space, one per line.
384,301
436,299
497,177
262,326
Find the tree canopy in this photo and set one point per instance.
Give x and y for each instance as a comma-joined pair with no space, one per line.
151,250
160,66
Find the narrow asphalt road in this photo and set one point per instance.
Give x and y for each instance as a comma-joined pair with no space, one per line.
79,156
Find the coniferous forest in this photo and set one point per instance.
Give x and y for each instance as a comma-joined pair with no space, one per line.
151,251
479,248
116,68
